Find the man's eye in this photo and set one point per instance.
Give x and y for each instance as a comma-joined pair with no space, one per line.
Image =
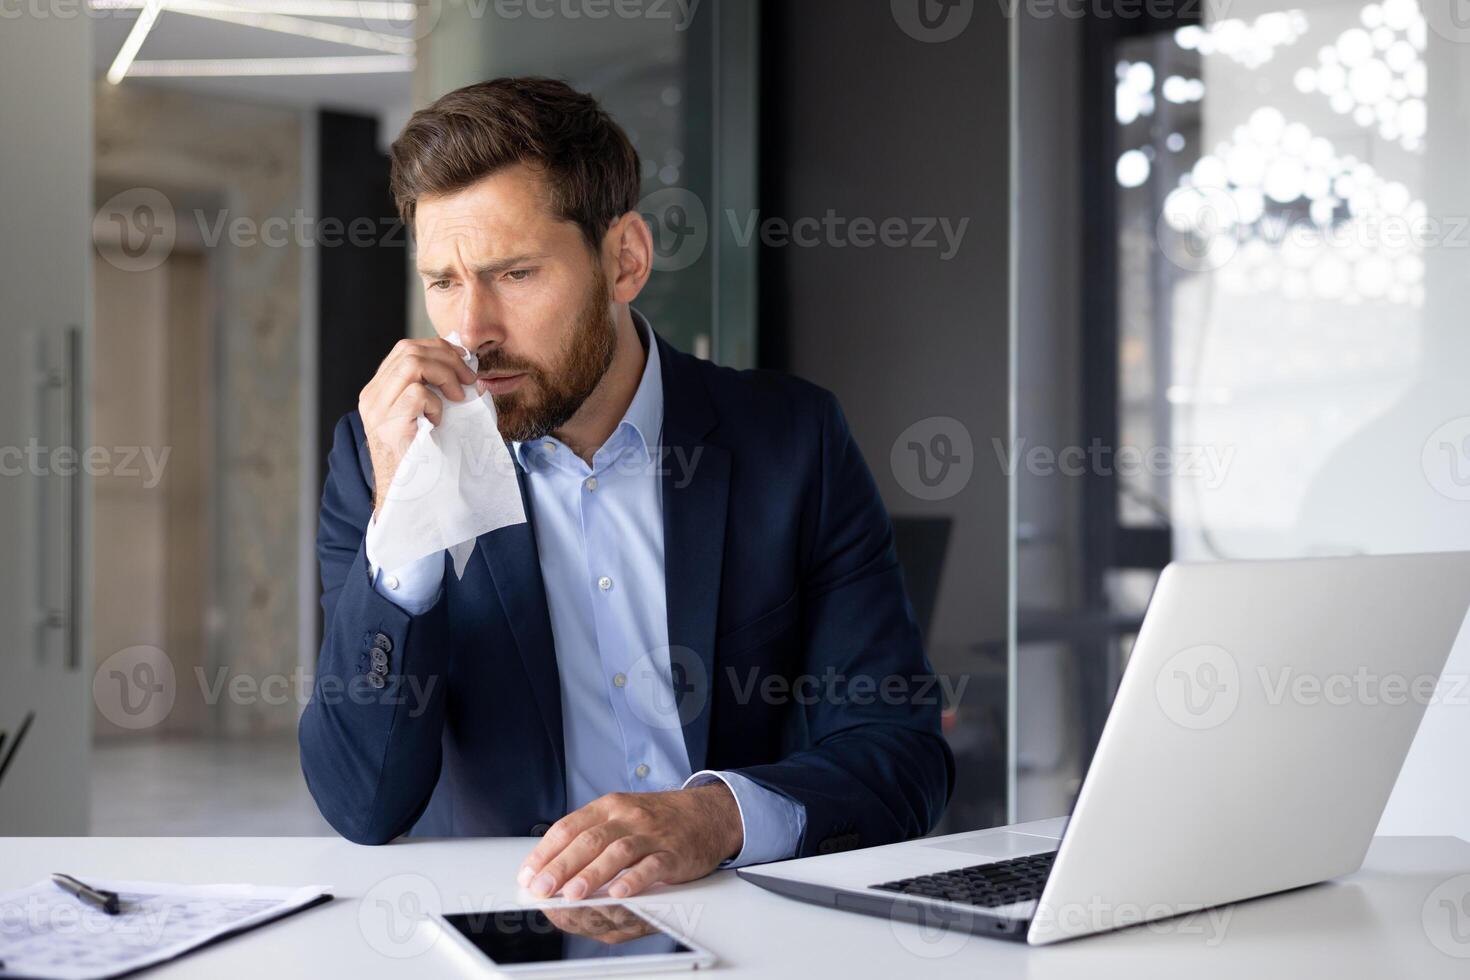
519,275
440,284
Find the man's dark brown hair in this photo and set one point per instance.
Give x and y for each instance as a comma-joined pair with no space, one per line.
585,160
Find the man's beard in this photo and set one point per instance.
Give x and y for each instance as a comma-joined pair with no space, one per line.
546,400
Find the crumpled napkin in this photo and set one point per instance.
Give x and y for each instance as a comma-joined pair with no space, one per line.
456,482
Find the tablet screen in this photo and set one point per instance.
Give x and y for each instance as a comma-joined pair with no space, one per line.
562,933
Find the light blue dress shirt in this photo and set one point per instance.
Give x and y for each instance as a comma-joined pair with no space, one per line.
600,539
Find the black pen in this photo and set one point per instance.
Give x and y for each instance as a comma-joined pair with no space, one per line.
106,901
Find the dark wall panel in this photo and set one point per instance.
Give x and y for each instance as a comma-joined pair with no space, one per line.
363,285
868,120
362,270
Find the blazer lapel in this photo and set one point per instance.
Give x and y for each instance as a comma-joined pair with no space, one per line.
515,568
696,483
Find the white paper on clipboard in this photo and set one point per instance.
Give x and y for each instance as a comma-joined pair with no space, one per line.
47,932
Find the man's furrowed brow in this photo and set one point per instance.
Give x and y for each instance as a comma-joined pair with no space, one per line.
489,268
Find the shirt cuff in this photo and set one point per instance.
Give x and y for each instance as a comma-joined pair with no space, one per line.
415,587
773,822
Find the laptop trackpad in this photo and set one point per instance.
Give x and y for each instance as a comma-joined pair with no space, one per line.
997,844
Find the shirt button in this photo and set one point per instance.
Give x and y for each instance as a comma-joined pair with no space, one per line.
549,446
641,772
591,483
391,582
604,583
619,680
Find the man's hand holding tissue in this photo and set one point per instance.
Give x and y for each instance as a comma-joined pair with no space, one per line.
391,403
669,837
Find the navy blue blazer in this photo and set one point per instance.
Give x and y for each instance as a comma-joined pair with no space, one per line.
797,657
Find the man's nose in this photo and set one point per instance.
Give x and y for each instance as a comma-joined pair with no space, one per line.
482,323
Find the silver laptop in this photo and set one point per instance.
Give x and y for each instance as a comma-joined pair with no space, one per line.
1261,722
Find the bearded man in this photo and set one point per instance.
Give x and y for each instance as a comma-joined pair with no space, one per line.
697,651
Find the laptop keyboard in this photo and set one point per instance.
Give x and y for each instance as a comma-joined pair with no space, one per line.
984,885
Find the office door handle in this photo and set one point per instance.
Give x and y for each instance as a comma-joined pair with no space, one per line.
60,560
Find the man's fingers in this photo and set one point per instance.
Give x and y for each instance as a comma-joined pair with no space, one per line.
650,871
562,833
398,420
400,392
434,348
574,857
443,348
416,368
416,400
621,853
438,348
399,372
435,361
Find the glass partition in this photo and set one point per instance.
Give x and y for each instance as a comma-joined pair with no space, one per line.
1271,334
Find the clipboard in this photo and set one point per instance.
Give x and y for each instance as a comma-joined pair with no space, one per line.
47,934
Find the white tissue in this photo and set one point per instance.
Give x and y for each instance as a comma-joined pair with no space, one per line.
456,482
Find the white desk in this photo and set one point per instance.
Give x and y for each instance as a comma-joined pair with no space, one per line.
1386,921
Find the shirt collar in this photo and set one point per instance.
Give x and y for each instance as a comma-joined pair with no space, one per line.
645,414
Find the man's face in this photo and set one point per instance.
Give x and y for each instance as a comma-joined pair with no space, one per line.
525,294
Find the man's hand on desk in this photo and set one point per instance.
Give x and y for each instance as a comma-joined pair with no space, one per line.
671,837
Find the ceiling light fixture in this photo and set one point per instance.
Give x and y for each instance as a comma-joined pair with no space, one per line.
236,67
134,41
288,24
370,10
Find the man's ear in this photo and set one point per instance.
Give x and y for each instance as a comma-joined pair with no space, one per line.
628,247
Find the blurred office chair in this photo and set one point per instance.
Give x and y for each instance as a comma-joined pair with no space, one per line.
922,543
